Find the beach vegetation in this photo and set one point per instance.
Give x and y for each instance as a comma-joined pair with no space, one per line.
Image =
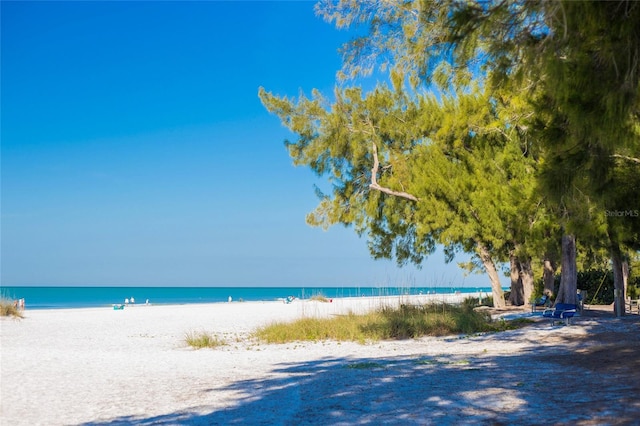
202,339
386,323
484,134
474,302
8,308
320,298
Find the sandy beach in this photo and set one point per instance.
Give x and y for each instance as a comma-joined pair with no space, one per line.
100,366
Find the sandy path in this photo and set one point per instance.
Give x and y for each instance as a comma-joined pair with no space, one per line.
99,366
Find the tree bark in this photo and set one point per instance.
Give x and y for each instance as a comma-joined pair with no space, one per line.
569,278
521,280
374,179
516,297
526,277
625,275
490,267
549,277
625,157
618,280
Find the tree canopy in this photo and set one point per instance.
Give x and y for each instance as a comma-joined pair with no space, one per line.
502,126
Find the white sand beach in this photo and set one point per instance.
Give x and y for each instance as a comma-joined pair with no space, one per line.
100,366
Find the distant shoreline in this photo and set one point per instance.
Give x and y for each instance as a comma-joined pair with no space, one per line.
100,297
452,298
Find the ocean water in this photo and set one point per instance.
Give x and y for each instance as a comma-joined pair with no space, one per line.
86,297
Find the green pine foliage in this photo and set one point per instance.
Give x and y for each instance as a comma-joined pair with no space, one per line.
503,126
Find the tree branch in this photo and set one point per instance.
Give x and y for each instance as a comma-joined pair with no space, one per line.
624,157
374,180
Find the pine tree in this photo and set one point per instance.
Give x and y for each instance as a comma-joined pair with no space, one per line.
412,170
577,61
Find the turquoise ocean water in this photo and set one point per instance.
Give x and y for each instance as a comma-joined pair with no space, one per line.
86,297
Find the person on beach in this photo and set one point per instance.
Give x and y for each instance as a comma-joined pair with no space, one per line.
133,300
126,302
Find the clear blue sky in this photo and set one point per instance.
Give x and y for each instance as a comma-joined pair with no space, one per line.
135,150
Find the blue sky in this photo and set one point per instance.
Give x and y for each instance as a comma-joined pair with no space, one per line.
135,150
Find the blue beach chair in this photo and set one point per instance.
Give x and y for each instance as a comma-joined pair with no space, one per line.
541,301
561,311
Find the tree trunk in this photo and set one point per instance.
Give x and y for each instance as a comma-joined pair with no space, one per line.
526,277
618,281
490,267
625,275
516,297
569,278
549,277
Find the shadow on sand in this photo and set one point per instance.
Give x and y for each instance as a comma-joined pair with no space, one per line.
571,381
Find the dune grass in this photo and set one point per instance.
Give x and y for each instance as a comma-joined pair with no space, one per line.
200,340
402,322
319,298
8,308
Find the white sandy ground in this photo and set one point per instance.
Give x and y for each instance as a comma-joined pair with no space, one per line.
104,367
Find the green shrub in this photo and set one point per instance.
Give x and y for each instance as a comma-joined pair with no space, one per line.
473,302
633,291
598,284
487,301
470,302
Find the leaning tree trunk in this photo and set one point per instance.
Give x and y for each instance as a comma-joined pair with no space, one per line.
618,280
569,278
516,296
549,277
490,267
526,277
